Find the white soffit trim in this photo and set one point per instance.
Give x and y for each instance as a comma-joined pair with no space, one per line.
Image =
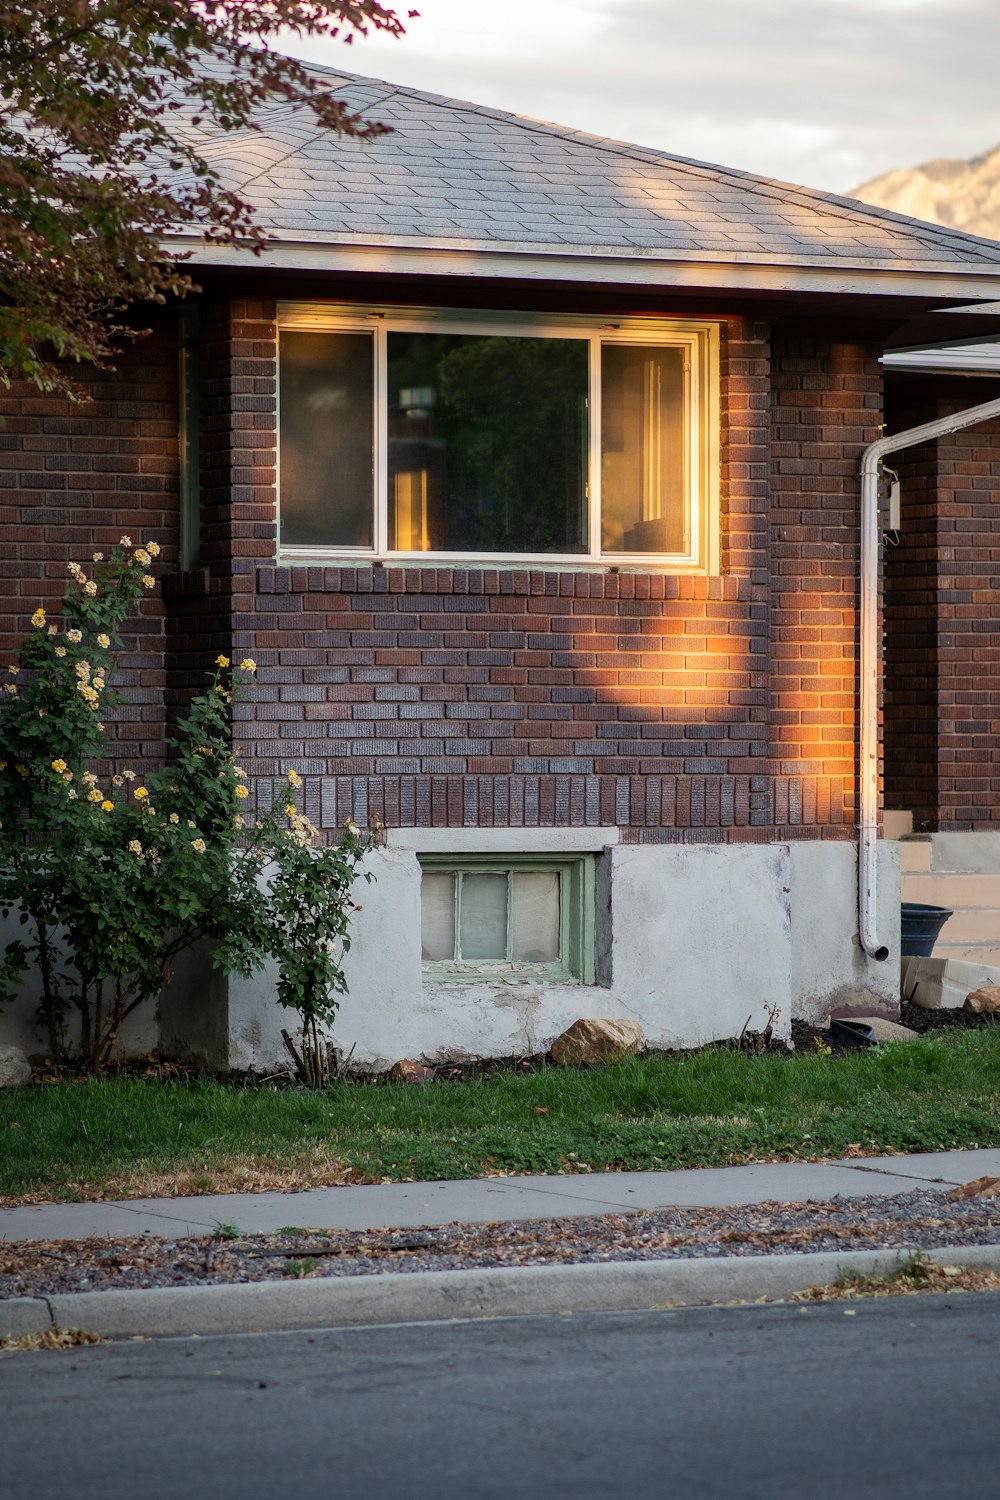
620,268
509,841
962,359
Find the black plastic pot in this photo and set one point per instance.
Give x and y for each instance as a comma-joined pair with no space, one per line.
919,927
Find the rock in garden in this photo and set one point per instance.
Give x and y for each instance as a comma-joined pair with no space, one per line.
595,1041
985,1001
14,1067
408,1071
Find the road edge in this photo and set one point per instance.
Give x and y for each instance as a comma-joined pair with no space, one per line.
435,1296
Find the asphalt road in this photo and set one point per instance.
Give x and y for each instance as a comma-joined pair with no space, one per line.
890,1398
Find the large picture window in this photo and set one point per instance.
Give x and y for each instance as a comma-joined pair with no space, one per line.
423,434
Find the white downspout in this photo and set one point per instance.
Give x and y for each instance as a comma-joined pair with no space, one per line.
869,663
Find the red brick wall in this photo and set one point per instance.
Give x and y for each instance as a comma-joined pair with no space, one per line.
826,407
76,476
678,708
943,619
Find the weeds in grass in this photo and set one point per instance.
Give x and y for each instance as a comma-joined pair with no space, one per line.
297,1269
224,1229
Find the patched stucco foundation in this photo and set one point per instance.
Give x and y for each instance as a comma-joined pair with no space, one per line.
693,941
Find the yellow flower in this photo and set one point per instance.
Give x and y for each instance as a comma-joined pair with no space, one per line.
129,775
90,588
222,661
290,810
107,806
153,548
38,618
239,820
148,581
74,636
125,541
134,846
22,771
140,793
94,795
174,818
240,773
13,669
88,778
75,569
248,664
60,650
98,557
241,790
104,640
59,765
53,630
198,845
141,555
294,779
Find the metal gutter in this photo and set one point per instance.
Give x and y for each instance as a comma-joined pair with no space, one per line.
869,652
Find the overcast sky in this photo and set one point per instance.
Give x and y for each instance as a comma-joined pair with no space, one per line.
824,92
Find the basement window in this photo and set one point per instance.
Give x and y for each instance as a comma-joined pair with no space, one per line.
442,435
485,920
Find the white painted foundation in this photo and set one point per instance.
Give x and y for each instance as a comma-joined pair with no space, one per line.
694,942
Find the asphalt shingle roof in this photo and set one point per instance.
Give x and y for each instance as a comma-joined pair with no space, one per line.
458,174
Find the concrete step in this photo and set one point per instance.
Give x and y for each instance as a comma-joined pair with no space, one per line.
972,924
915,857
987,954
958,890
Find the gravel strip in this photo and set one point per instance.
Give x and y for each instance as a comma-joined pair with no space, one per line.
925,1219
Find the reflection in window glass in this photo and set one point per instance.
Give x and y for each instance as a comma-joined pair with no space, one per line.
487,443
437,916
326,436
534,921
483,906
643,460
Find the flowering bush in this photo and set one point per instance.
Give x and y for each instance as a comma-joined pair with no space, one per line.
113,875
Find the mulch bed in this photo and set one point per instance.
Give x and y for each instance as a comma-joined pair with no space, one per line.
921,1219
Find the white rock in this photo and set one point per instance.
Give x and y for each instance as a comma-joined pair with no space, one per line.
14,1067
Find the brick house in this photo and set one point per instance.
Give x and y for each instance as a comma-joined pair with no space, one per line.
525,464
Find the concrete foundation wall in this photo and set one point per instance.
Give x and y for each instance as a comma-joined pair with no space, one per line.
692,941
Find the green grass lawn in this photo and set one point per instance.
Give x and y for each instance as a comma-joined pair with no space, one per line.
124,1135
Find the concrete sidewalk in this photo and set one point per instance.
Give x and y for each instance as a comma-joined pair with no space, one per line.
483,1200
353,1301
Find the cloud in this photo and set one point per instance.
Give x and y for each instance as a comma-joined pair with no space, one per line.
826,92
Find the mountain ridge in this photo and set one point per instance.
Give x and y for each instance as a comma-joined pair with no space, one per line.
955,193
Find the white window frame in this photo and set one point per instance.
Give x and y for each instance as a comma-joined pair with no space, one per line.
575,963
698,339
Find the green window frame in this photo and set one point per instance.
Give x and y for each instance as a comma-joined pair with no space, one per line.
574,962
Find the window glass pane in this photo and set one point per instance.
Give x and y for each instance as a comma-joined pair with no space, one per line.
487,443
643,449
327,471
535,917
484,916
437,916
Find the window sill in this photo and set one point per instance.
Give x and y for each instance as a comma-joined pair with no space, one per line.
529,578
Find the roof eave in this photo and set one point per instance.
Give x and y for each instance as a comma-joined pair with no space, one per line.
710,270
